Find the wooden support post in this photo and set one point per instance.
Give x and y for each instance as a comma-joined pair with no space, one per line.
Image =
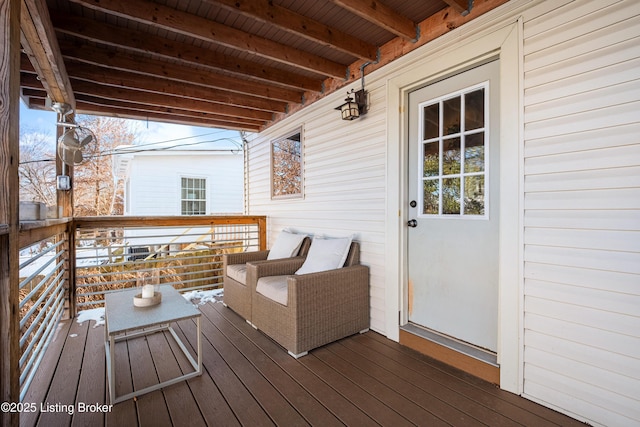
64,198
262,230
9,214
65,210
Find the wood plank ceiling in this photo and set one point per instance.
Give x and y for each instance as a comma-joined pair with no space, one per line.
237,64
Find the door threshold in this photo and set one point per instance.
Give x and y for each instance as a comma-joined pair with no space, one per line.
467,357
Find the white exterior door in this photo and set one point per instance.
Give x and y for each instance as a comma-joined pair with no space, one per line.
453,196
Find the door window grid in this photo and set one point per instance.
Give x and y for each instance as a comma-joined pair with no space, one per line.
194,196
454,154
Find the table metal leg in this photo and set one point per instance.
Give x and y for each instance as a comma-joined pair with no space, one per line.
110,350
112,371
199,345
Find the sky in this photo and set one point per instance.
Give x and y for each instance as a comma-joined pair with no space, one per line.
152,132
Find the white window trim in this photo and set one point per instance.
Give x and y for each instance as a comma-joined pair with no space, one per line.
206,194
287,135
440,138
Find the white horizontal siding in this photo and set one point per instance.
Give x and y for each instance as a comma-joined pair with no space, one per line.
584,219
344,183
582,209
608,406
597,139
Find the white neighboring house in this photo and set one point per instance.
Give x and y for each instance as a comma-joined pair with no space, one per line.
178,182
181,182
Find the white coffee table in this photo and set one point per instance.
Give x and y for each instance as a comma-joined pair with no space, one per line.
124,321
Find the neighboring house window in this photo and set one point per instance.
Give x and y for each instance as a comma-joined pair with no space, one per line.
286,166
453,161
194,196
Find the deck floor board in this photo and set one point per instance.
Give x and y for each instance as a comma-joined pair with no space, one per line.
91,389
336,403
58,408
250,380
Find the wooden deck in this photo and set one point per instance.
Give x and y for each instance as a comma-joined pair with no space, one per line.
250,380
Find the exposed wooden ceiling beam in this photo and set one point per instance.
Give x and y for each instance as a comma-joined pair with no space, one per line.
154,14
163,100
460,6
134,40
34,93
124,79
121,112
144,65
381,15
166,111
26,65
40,44
35,98
267,12
30,80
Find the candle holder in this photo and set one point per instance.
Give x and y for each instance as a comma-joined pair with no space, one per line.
147,285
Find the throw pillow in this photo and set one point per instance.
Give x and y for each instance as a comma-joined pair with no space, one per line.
326,254
286,245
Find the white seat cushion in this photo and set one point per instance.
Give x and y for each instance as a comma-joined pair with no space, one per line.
274,288
238,272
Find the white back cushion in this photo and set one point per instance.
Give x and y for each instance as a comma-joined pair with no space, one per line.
286,245
326,254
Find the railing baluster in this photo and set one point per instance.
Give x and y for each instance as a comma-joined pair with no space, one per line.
79,260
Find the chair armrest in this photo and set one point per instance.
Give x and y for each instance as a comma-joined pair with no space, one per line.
276,267
325,289
244,257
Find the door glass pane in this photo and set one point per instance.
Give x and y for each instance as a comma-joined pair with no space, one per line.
474,195
451,156
431,120
474,153
451,196
454,153
431,190
474,110
451,116
431,164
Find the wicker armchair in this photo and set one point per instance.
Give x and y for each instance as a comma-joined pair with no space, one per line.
237,293
320,307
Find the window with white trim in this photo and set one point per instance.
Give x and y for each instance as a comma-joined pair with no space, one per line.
193,196
286,166
454,153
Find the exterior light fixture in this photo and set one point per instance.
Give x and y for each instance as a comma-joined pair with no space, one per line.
351,109
354,108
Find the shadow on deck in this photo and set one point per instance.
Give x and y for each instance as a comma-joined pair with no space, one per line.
250,380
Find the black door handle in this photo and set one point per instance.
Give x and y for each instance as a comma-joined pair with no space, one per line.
412,223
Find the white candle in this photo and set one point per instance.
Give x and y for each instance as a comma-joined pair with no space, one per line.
147,291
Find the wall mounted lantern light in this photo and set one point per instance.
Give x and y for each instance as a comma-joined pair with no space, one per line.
352,109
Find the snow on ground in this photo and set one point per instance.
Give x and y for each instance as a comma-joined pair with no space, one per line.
95,314
85,257
203,297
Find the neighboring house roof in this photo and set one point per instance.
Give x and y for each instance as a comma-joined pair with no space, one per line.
124,154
